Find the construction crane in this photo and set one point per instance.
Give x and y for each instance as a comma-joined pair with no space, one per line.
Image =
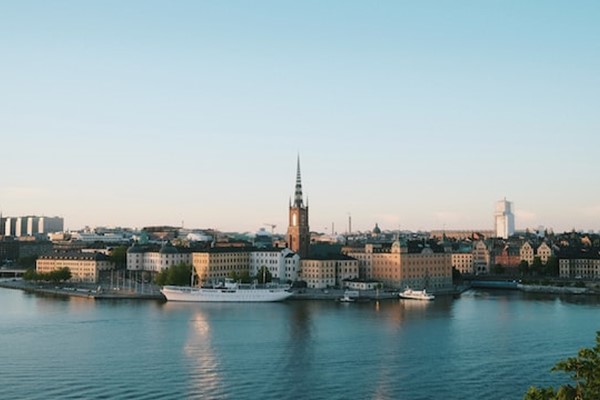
273,226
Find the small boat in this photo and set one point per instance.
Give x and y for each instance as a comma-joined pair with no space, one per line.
228,292
409,293
350,296
346,299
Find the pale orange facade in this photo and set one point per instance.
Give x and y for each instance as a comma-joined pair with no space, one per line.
397,267
83,267
217,264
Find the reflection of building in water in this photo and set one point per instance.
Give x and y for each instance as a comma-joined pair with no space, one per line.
204,374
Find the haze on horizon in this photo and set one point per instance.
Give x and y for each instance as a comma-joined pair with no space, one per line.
417,115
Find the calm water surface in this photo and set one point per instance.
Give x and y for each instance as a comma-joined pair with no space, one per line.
490,345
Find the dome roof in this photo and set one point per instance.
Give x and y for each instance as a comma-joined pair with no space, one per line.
135,249
168,248
376,230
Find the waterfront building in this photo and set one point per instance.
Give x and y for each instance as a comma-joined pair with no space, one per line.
504,219
153,259
583,263
364,256
328,271
506,255
416,263
283,264
221,262
462,261
527,253
481,257
84,267
298,233
544,252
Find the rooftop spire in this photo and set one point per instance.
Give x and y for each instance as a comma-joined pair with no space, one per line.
298,194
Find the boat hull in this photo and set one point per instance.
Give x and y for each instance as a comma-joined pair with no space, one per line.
416,295
221,295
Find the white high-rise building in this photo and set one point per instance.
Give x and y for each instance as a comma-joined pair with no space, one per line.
504,219
30,225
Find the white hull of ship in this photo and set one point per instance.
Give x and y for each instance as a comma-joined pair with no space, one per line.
219,295
416,295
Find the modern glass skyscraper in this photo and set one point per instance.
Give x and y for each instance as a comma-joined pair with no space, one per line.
504,219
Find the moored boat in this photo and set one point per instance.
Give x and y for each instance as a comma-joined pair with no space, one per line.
409,293
350,296
228,292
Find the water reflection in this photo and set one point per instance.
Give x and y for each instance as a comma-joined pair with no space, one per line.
298,358
204,365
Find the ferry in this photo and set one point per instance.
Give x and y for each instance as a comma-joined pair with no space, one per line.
409,293
229,291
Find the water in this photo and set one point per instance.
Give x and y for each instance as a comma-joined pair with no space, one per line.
489,345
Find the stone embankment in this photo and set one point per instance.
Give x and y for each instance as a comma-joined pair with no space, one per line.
552,289
151,292
81,290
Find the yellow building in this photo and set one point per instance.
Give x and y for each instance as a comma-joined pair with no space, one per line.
324,272
84,267
463,262
544,252
526,252
220,262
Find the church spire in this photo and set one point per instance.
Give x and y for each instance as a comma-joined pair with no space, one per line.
298,194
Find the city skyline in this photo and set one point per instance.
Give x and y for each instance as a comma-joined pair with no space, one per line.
413,116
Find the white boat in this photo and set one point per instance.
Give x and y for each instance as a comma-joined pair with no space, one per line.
350,296
409,293
228,292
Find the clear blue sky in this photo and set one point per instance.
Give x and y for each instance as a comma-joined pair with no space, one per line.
418,115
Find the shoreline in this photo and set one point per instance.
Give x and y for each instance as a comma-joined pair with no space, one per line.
88,291
78,291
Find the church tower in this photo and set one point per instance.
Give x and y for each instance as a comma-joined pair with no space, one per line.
298,234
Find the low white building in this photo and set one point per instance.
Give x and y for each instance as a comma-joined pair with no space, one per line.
283,264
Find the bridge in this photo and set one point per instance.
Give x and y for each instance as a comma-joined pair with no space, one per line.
11,272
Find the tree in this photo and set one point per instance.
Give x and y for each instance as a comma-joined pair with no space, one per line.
456,275
59,275
264,275
498,269
118,255
524,267
552,266
536,266
179,275
29,274
584,370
